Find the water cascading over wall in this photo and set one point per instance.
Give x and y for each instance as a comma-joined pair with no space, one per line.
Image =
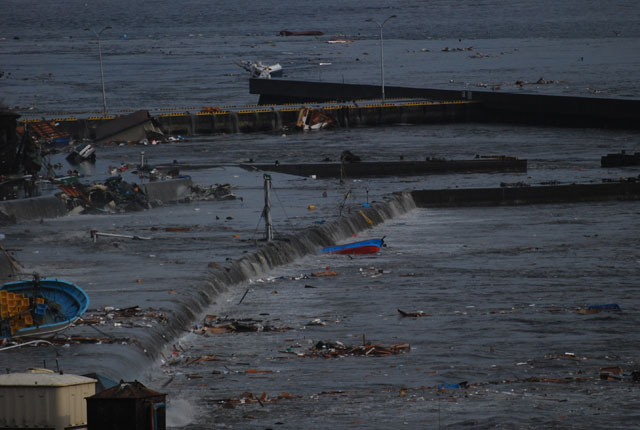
283,251
288,249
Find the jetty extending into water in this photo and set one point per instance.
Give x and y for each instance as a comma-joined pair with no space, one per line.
525,195
368,169
485,105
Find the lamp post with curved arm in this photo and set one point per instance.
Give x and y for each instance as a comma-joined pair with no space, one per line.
381,51
104,97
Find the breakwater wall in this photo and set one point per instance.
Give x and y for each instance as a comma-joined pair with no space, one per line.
352,115
490,106
393,168
287,249
527,195
275,118
283,250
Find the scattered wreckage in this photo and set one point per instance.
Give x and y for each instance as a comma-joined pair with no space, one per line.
262,71
118,196
338,349
217,325
313,119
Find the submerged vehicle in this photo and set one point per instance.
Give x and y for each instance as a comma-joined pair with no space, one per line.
370,246
39,307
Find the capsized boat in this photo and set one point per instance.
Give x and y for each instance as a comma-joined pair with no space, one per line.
39,307
370,246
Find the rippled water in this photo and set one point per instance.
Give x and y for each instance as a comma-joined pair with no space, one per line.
500,285
165,55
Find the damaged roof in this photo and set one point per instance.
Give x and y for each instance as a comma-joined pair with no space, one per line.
121,124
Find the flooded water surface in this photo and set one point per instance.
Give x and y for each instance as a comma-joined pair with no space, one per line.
489,306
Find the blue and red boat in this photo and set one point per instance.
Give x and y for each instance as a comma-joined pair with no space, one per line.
370,246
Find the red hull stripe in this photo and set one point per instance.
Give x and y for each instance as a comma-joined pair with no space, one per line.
358,250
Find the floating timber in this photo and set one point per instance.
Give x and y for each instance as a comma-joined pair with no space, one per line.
394,168
622,190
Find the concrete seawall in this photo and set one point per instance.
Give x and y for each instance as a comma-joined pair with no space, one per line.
527,195
34,208
491,106
167,191
352,115
274,119
393,168
353,105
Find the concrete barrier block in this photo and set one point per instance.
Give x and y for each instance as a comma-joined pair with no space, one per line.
167,191
33,208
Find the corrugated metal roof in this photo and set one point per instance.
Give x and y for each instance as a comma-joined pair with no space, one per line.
127,390
42,378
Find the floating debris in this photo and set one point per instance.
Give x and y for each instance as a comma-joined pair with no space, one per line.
213,192
249,398
594,309
214,325
133,316
412,314
338,349
611,373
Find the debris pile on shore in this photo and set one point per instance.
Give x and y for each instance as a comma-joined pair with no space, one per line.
118,196
114,196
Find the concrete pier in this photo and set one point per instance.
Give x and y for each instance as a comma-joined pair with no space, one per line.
266,119
573,193
393,168
491,106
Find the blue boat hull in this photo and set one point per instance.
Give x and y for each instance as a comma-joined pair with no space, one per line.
62,304
362,247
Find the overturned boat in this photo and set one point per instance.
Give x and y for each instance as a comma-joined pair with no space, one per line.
370,246
39,308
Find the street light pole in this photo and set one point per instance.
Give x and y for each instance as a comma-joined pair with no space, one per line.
381,51
104,97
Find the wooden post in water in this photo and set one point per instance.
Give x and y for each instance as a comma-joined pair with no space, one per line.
267,208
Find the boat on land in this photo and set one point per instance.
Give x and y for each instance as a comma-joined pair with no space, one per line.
370,246
39,307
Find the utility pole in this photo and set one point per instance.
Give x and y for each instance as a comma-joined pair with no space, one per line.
267,208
